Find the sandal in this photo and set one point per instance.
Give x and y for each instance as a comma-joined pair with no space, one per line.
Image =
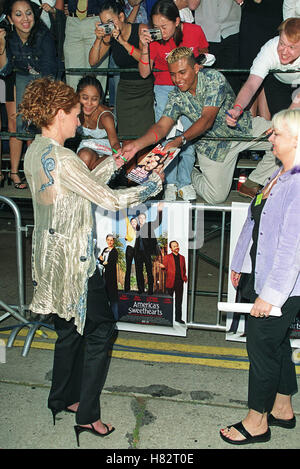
79,429
283,423
248,438
17,185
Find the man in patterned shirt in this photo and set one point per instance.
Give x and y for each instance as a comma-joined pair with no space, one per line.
204,96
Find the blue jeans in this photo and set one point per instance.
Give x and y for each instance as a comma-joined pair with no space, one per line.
179,171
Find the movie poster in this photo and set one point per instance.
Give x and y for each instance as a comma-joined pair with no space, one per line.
236,323
142,254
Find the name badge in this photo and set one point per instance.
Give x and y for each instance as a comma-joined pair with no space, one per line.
258,199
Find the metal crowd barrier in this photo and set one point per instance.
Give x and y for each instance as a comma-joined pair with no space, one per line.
18,311
220,264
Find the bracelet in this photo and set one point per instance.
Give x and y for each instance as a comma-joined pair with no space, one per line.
144,63
156,137
241,109
132,49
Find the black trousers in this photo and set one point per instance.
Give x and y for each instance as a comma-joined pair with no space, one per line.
130,255
271,368
141,258
81,361
178,289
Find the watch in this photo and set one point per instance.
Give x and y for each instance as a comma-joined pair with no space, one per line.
183,140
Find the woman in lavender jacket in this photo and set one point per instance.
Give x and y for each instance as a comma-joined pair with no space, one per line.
267,256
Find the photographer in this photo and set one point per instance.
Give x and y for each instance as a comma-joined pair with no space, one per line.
165,17
134,101
27,46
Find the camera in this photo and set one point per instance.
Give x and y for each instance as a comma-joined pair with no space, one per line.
108,27
4,23
155,34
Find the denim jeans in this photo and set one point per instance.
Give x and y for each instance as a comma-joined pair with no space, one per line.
179,171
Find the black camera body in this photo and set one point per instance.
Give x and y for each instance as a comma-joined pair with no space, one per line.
4,23
155,34
108,27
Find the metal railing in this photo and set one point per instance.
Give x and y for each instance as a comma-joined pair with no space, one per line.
18,311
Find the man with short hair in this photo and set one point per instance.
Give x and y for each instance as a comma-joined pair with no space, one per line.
204,95
281,53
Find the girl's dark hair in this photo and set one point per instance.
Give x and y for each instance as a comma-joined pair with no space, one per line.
36,14
89,80
168,9
117,6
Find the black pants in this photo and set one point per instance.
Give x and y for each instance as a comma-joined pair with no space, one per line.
178,289
129,254
81,361
271,368
141,258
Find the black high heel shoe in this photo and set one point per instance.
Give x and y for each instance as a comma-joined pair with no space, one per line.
56,411
16,184
79,429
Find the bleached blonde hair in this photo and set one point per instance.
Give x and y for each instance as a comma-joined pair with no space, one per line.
291,118
181,53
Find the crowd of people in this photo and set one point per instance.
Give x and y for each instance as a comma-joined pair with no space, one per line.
47,39
168,91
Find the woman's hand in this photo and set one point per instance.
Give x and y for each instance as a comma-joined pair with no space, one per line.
235,278
100,32
261,308
46,7
116,34
145,37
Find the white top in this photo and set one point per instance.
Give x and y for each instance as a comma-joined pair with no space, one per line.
291,9
45,15
218,18
186,15
268,59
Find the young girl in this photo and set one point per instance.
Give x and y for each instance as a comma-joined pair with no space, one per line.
97,121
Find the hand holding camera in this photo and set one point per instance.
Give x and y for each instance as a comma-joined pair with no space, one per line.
149,35
104,29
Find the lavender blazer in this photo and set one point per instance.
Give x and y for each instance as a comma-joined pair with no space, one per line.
278,249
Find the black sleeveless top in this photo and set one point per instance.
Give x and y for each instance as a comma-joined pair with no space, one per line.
123,59
247,280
